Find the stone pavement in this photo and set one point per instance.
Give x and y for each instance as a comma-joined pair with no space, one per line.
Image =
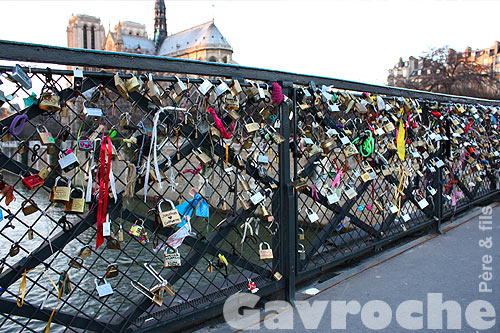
430,271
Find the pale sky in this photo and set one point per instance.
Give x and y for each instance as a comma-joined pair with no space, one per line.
355,40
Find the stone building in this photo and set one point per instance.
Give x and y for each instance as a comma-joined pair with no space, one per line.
413,67
203,42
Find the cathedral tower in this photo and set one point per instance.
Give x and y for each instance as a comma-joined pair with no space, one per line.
85,32
160,23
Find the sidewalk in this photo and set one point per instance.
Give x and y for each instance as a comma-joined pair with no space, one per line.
449,264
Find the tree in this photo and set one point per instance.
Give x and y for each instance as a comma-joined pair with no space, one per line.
444,70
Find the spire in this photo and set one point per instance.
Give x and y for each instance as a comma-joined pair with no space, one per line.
160,23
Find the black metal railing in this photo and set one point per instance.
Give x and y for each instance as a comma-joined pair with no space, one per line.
316,179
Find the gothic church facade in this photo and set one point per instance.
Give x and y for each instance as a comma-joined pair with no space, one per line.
203,42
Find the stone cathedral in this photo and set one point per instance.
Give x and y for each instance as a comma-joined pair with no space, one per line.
203,42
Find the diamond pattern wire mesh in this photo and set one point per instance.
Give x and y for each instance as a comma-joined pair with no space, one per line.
228,175
186,133
332,230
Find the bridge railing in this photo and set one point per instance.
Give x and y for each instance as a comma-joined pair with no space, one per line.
224,179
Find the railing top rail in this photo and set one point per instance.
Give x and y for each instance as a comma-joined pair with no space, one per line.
19,51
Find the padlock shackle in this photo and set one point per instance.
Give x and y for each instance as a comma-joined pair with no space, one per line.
68,180
266,243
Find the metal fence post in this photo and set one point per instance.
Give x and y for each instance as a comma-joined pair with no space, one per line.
288,222
438,201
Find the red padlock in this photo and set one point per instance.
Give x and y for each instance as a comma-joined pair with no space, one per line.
33,181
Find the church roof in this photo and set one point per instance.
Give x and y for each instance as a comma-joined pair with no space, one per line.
203,35
131,42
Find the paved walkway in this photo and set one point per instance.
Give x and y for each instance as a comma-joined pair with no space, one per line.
430,271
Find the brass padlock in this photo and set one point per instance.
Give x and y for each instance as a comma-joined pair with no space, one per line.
120,86
232,103
132,84
236,88
265,253
76,262
154,91
75,205
170,217
85,252
45,172
29,207
60,193
252,127
202,157
49,100
14,250
215,133
30,234
111,271
44,135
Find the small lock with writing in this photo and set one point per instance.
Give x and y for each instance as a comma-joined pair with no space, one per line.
202,157
103,290
85,145
44,136
171,217
266,253
33,181
350,192
60,193
76,203
171,258
29,207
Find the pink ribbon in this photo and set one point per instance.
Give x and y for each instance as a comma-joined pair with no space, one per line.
277,94
337,179
220,126
314,193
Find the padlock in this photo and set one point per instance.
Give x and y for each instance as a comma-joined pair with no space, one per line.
77,79
120,86
30,234
302,252
205,87
49,99
350,192
76,204
33,181
45,171
311,215
302,234
202,157
154,91
245,204
170,217
137,228
85,145
132,84
252,127
104,289
257,198
265,253
29,207
423,203
120,234
171,258
91,112
221,88
244,183
85,252
69,161
349,150
44,136
76,262
236,88
19,76
215,133
334,195
232,103
277,276
179,87
111,271
60,193
14,250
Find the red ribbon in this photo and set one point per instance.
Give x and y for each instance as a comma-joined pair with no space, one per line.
193,171
468,126
104,170
220,126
